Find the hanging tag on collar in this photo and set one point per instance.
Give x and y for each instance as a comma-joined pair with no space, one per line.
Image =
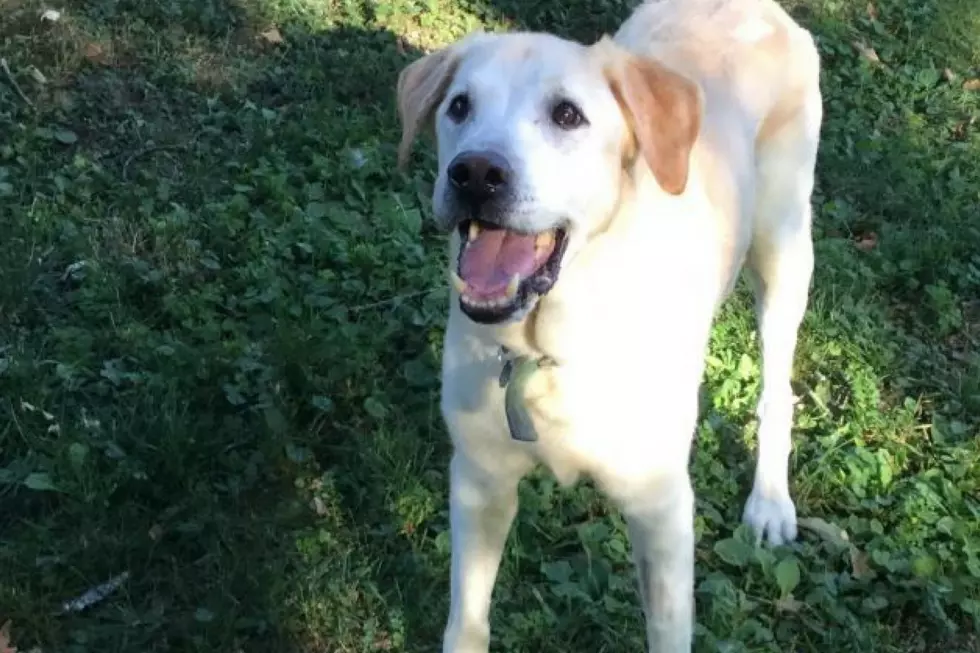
505,357
516,372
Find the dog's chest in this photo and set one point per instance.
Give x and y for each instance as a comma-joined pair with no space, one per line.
591,417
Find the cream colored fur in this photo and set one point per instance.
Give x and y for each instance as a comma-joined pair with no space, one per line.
629,318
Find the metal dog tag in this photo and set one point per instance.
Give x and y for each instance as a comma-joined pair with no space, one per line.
513,378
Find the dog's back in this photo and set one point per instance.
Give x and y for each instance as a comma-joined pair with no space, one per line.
760,76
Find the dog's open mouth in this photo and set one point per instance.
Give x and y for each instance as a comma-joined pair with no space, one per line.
499,270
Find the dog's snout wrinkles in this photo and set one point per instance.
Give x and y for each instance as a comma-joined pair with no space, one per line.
478,176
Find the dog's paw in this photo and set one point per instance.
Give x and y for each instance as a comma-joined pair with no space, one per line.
771,516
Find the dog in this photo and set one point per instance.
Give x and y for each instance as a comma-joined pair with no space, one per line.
601,201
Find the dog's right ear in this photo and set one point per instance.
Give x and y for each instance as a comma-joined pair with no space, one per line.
421,87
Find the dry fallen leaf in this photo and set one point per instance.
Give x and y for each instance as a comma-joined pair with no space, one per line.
825,530
961,129
319,507
867,242
272,35
971,85
867,52
5,646
859,563
95,53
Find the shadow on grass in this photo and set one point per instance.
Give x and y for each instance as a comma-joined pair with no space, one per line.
194,212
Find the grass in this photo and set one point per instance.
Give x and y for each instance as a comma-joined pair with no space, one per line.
222,312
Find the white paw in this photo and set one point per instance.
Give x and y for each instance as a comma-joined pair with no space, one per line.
771,515
472,638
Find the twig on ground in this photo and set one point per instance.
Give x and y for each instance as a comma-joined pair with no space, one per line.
144,152
14,84
95,595
395,299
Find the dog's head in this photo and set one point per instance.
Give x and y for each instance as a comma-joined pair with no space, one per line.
535,136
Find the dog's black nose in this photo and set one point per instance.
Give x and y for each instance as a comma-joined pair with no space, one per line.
478,176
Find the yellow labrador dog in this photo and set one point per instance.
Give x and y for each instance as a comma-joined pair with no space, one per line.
601,202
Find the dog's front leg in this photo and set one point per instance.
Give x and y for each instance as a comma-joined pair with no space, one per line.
661,526
482,507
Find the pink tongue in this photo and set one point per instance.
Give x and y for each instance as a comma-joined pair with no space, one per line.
490,261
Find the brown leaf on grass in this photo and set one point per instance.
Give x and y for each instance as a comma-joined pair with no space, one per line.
319,507
972,85
5,645
866,242
95,53
825,530
961,129
272,35
867,52
859,563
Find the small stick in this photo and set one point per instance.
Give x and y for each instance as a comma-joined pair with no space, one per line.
95,594
395,299
13,82
144,152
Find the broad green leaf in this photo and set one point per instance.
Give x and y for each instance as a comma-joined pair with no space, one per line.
275,420
322,403
733,551
40,481
924,566
66,136
77,452
787,575
375,408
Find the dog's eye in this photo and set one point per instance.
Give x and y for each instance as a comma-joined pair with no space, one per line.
568,116
459,108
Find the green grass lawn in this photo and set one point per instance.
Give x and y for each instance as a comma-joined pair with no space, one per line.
221,312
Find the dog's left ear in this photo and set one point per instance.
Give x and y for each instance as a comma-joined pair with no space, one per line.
421,87
663,109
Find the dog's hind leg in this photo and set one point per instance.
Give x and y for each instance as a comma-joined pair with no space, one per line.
482,508
781,265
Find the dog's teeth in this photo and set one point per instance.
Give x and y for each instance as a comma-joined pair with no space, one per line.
458,283
474,230
512,287
544,240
